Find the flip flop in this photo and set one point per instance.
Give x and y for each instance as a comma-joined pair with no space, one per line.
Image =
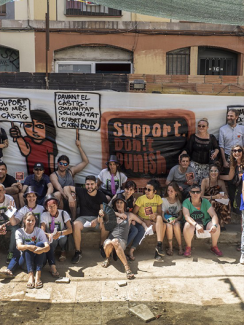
30,285
6,275
169,252
55,274
62,258
130,258
129,274
38,285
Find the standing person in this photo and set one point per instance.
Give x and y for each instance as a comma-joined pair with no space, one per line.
32,243
200,215
149,209
59,219
12,187
39,144
203,149
90,201
40,181
211,188
118,238
235,176
64,175
173,214
3,141
111,180
183,174
231,134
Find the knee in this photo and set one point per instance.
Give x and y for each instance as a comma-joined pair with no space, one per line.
159,220
40,244
115,243
77,226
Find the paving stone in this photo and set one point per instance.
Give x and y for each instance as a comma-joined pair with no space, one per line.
143,312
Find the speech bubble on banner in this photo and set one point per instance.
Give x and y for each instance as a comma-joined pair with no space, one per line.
78,110
15,110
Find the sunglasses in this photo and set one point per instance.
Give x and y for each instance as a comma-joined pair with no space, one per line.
195,192
201,126
63,164
147,189
38,170
237,150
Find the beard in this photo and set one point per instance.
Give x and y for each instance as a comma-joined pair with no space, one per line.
231,122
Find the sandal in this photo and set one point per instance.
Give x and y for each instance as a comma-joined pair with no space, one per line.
169,252
129,274
105,263
238,248
30,285
38,285
181,252
130,257
55,274
6,274
62,257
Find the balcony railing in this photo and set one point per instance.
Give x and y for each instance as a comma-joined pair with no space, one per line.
86,8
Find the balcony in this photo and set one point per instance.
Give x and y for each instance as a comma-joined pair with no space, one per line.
87,8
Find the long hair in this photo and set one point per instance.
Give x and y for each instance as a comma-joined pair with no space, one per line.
44,117
233,162
176,189
30,213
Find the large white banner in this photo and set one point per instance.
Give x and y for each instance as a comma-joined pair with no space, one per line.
146,131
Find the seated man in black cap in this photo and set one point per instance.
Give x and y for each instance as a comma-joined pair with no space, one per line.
40,181
90,201
111,180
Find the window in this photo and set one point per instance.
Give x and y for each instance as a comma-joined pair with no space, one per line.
214,61
88,8
3,10
92,67
178,62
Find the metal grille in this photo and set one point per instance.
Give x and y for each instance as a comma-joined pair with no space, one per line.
216,66
75,8
178,62
3,10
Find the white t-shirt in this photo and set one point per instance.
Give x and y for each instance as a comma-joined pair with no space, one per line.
37,212
36,236
105,178
47,219
171,208
4,205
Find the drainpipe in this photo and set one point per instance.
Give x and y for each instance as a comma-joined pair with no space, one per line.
47,44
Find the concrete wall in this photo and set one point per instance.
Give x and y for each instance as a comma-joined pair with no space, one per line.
40,9
24,44
139,17
9,11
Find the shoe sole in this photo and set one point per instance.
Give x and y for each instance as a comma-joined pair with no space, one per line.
160,254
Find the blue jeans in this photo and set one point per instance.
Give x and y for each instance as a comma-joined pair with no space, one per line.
14,263
242,234
139,235
50,255
12,244
132,234
33,261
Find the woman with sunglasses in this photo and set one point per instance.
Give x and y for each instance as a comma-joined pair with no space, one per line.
203,149
213,188
172,209
149,208
235,176
199,216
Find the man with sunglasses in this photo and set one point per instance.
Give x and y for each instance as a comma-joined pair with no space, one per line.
40,181
230,135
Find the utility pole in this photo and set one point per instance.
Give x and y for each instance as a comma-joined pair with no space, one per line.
47,44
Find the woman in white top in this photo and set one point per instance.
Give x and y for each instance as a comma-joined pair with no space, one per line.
173,214
31,241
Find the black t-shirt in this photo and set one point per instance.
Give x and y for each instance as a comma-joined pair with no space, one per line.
9,180
3,136
89,205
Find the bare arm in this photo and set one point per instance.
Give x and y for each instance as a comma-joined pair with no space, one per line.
4,144
133,217
49,188
230,176
55,183
136,209
225,163
99,183
76,169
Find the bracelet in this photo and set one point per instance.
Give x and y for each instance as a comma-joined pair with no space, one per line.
216,226
196,224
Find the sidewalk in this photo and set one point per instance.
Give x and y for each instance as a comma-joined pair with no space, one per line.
203,289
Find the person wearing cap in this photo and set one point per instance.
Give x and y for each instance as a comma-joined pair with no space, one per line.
12,187
7,202
64,175
90,201
117,240
59,219
111,180
40,181
30,196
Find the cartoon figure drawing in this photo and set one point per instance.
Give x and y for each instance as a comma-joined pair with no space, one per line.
39,144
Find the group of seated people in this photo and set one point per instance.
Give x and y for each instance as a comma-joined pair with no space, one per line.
42,222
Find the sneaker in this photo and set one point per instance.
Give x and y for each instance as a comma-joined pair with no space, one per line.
216,251
242,258
76,258
9,258
102,251
187,252
159,250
